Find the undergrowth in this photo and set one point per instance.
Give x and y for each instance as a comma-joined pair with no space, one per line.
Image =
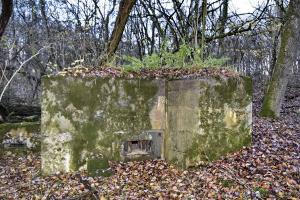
185,57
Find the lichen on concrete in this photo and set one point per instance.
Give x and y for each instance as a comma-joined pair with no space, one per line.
85,121
99,115
25,133
207,119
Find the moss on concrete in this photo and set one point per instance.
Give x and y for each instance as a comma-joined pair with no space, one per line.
16,150
90,119
248,85
102,113
28,126
98,167
221,117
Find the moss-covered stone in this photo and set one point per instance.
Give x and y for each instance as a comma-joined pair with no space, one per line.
86,120
98,167
27,126
99,114
27,133
207,118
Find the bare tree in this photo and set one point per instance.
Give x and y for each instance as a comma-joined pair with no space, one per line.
153,25
7,8
204,15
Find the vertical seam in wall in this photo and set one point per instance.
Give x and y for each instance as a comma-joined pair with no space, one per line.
166,132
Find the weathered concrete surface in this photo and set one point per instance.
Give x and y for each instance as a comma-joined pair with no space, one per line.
207,118
85,121
20,136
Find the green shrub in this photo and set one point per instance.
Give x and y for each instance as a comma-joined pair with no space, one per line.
184,57
215,62
134,64
152,61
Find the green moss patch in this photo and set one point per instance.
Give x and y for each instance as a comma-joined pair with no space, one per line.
99,167
29,127
201,119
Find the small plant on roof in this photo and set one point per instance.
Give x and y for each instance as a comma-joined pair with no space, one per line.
184,57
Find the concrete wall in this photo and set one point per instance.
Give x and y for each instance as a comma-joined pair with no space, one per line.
207,118
86,120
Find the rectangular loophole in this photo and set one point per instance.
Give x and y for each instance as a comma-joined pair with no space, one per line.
137,146
146,145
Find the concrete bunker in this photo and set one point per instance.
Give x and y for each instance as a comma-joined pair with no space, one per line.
93,120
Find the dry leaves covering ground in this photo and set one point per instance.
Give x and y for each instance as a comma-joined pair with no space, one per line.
172,73
269,169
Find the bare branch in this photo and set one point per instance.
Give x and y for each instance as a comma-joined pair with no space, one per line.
20,67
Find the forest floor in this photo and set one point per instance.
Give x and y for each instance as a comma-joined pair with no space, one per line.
269,169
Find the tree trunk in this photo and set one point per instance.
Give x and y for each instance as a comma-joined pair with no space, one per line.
3,113
289,44
7,8
276,27
125,8
204,14
196,23
44,16
223,21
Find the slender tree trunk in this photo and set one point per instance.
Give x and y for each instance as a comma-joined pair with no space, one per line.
125,8
276,27
289,44
43,13
196,24
204,14
6,12
223,21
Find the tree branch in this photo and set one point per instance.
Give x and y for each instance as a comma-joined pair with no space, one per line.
20,67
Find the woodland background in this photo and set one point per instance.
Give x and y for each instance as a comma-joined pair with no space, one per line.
43,37
77,32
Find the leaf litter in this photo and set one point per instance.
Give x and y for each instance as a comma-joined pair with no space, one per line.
269,169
